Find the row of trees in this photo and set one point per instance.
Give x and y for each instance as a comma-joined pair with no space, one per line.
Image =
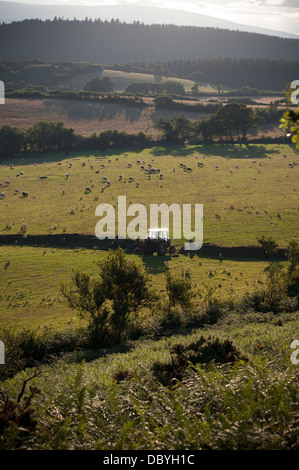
233,119
229,120
54,136
19,74
258,74
170,86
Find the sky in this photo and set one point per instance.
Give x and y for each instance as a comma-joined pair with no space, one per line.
280,15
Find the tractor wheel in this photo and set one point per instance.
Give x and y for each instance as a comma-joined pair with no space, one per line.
161,249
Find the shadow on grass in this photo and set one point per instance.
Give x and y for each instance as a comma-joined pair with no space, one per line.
231,150
155,264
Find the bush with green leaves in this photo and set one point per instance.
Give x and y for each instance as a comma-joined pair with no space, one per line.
201,351
268,243
27,348
110,300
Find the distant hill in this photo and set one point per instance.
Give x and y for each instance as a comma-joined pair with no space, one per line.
11,11
113,42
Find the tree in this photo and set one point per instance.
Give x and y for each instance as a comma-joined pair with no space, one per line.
110,300
179,291
236,117
268,243
176,128
290,124
99,84
292,275
163,101
12,140
45,136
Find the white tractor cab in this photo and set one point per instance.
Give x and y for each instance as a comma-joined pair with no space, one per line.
158,241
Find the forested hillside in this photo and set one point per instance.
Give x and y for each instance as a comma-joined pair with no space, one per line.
115,42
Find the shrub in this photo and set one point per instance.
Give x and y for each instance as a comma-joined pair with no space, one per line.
179,291
28,348
109,301
269,244
201,351
18,417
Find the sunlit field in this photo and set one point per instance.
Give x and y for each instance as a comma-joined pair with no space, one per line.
245,192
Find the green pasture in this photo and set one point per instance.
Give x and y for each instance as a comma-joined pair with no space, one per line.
239,204
122,79
31,278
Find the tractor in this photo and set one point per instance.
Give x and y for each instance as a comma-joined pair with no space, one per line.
158,241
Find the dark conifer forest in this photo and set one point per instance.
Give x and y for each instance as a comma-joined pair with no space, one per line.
115,42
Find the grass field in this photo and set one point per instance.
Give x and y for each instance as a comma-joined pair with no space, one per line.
84,117
122,79
31,278
87,117
81,401
240,204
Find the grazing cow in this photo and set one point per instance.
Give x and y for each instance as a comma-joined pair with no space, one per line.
88,189
25,194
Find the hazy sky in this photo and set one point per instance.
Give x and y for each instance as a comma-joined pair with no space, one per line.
282,15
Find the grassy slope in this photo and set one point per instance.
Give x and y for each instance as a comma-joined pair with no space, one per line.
249,406
122,79
30,284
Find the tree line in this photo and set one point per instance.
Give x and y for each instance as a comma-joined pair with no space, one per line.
54,136
228,122
261,73
105,42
